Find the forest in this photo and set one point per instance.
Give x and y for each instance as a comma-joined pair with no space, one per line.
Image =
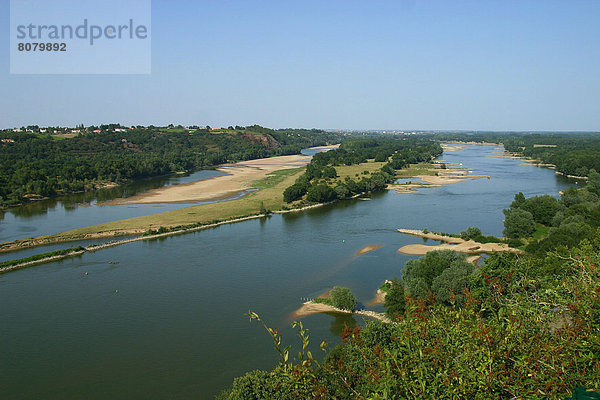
318,183
518,326
35,165
573,153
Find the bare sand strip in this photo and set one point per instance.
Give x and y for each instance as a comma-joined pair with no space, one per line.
430,235
310,308
452,243
471,142
447,147
379,298
239,178
368,248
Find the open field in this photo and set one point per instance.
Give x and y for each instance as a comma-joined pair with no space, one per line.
416,170
344,171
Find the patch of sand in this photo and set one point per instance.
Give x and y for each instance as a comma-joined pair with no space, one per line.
430,235
447,147
452,243
467,247
379,298
310,308
474,260
368,248
447,179
239,178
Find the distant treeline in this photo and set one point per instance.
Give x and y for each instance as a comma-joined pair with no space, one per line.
319,185
573,153
35,164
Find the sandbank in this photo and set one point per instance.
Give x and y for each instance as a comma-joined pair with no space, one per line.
379,298
368,248
240,177
452,243
447,147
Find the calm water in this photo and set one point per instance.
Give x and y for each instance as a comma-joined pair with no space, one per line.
78,210
168,320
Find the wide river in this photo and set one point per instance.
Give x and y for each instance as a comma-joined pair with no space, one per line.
167,320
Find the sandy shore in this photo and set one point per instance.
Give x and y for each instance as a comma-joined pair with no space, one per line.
471,142
368,248
452,243
240,177
310,308
379,298
447,147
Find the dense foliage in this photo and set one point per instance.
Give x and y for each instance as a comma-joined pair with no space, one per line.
566,221
343,298
33,164
520,326
319,185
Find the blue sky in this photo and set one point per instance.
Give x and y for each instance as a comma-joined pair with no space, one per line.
472,65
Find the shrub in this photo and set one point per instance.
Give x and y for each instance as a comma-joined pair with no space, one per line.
471,233
321,194
343,298
294,192
395,301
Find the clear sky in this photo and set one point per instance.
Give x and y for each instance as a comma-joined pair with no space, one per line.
370,64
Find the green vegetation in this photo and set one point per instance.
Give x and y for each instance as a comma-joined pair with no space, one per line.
40,257
573,153
358,166
343,298
185,218
443,272
38,165
395,300
520,326
471,233
518,223
321,300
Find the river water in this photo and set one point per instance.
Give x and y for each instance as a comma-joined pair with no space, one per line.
167,321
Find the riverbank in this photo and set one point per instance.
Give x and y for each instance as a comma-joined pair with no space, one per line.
453,243
240,177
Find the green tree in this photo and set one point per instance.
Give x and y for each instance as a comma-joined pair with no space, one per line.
321,194
395,301
519,200
471,233
452,282
542,208
343,298
518,223
294,192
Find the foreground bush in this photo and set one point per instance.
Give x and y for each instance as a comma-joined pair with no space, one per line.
527,332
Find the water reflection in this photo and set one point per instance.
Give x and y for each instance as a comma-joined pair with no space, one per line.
341,322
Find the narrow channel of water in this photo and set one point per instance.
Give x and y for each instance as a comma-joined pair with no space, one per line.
168,320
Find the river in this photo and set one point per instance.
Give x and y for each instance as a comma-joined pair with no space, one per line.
168,320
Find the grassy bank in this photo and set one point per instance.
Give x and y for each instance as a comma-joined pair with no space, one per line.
13,265
268,197
416,169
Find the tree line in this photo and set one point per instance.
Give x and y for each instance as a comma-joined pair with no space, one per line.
318,184
40,165
573,153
